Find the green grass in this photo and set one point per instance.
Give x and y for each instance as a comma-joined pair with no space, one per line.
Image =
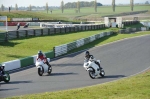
136,87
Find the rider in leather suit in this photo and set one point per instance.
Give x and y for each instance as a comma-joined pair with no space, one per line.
88,56
1,70
42,57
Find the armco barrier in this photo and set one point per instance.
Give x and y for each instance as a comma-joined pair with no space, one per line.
131,30
10,65
50,54
2,37
71,46
26,61
80,42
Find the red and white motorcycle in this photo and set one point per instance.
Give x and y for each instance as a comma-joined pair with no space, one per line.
43,67
93,69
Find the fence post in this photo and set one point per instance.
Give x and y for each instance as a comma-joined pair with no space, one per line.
17,33
42,32
54,51
54,30
34,32
6,37
65,29
48,31
74,29
26,33
60,30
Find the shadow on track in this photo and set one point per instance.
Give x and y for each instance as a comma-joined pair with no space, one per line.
62,74
8,89
112,76
17,82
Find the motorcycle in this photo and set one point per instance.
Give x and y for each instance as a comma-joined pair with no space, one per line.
26,25
4,76
43,67
93,68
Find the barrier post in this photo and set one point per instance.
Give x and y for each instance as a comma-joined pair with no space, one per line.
26,33
42,32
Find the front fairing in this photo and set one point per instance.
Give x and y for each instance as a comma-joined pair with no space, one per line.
87,64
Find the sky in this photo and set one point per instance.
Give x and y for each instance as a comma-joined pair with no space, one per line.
26,3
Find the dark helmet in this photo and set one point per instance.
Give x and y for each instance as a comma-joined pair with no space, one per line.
87,53
40,53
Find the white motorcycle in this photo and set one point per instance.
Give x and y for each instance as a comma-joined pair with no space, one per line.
43,67
93,68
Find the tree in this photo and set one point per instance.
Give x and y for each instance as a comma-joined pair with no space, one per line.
2,7
131,4
95,5
82,4
146,2
113,5
30,7
62,6
16,7
47,7
78,6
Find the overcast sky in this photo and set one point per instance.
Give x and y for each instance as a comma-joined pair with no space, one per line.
8,3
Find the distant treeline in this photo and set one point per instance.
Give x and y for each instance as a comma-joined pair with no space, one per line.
82,4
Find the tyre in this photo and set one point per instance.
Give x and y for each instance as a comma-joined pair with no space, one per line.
102,73
40,72
7,78
49,70
92,74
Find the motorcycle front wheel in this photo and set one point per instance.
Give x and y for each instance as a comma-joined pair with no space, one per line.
40,72
92,74
7,78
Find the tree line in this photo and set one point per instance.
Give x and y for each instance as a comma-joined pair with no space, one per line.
82,4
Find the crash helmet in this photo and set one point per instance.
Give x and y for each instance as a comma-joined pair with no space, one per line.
40,53
87,53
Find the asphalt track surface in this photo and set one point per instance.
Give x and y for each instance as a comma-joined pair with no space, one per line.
119,59
14,28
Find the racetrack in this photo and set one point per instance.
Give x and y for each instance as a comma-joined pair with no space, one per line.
14,28
119,59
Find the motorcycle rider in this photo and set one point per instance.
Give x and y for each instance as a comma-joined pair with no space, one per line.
1,70
18,26
42,57
88,56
